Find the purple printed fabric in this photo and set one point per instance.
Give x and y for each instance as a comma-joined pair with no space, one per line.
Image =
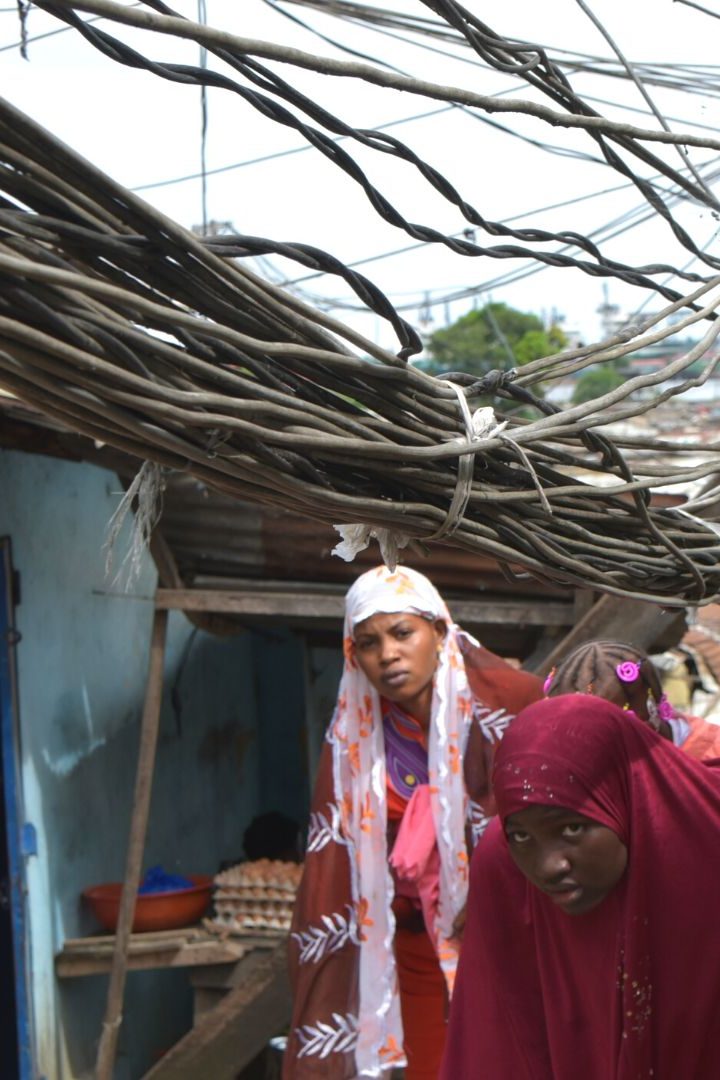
406,760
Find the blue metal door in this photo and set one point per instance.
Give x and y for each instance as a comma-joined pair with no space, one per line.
15,1027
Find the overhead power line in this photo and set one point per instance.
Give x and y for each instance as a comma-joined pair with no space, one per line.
283,153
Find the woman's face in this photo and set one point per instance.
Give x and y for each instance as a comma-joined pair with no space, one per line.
573,859
399,654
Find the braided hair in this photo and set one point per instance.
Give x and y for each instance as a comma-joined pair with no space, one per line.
614,670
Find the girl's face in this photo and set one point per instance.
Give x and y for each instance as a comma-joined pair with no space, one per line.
571,858
399,655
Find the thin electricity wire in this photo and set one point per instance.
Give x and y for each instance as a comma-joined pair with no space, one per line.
274,5
550,147
583,63
699,7
284,153
53,33
561,151
641,307
514,217
222,41
331,41
202,19
464,247
472,61
635,109
644,93
575,60
205,172
632,218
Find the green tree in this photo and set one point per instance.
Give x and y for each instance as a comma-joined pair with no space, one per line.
494,336
595,383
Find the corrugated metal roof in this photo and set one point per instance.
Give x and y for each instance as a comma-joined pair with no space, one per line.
213,536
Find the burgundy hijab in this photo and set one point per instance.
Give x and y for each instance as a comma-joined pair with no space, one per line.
631,989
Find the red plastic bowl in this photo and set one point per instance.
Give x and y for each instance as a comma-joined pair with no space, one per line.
153,911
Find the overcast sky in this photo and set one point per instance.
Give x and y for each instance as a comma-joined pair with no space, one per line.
142,130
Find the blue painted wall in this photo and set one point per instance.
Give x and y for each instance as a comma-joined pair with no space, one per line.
231,745
279,672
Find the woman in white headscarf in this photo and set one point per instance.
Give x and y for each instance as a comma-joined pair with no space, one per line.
401,793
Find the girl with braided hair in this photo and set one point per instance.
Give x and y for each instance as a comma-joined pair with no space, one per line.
625,675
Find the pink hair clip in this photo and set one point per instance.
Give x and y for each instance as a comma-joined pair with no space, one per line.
628,671
665,709
548,681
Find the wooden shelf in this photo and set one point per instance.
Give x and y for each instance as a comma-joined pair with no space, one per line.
187,948
240,984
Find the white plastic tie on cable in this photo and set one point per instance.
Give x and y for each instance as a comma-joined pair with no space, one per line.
481,424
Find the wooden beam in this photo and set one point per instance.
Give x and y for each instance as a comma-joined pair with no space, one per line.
616,618
229,976
228,1036
323,605
136,846
512,612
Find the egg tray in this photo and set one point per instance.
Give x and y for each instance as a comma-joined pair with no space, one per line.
236,923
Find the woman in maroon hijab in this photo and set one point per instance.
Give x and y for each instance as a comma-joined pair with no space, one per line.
586,953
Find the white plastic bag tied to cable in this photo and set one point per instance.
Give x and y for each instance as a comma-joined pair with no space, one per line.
479,425
357,537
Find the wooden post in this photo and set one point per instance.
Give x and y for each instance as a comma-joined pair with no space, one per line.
136,846
619,618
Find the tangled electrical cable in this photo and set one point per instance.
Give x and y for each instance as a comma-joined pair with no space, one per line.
123,326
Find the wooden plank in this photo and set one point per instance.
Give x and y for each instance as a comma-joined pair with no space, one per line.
180,934
248,602
512,612
227,977
136,845
204,1000
194,948
83,962
230,1035
322,605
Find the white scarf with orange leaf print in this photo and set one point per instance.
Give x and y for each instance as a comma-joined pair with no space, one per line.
360,787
